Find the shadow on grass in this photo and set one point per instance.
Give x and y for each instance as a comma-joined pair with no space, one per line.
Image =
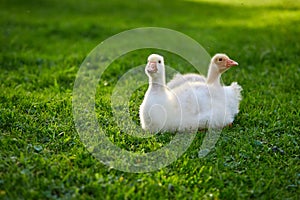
31,30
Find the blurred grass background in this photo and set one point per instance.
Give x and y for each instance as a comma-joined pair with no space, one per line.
44,42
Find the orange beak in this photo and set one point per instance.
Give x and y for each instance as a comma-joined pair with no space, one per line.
151,67
231,63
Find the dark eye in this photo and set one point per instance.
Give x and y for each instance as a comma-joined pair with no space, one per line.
220,59
159,61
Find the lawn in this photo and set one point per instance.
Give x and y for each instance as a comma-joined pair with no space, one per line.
43,44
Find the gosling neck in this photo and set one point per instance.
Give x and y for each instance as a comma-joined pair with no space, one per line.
157,81
214,75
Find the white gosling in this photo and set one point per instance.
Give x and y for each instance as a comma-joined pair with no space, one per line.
159,102
163,109
219,64
218,104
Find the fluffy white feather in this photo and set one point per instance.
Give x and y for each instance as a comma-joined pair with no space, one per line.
179,79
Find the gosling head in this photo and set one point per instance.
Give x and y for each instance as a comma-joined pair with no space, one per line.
223,62
155,65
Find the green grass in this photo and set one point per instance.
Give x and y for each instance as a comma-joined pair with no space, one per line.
43,44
